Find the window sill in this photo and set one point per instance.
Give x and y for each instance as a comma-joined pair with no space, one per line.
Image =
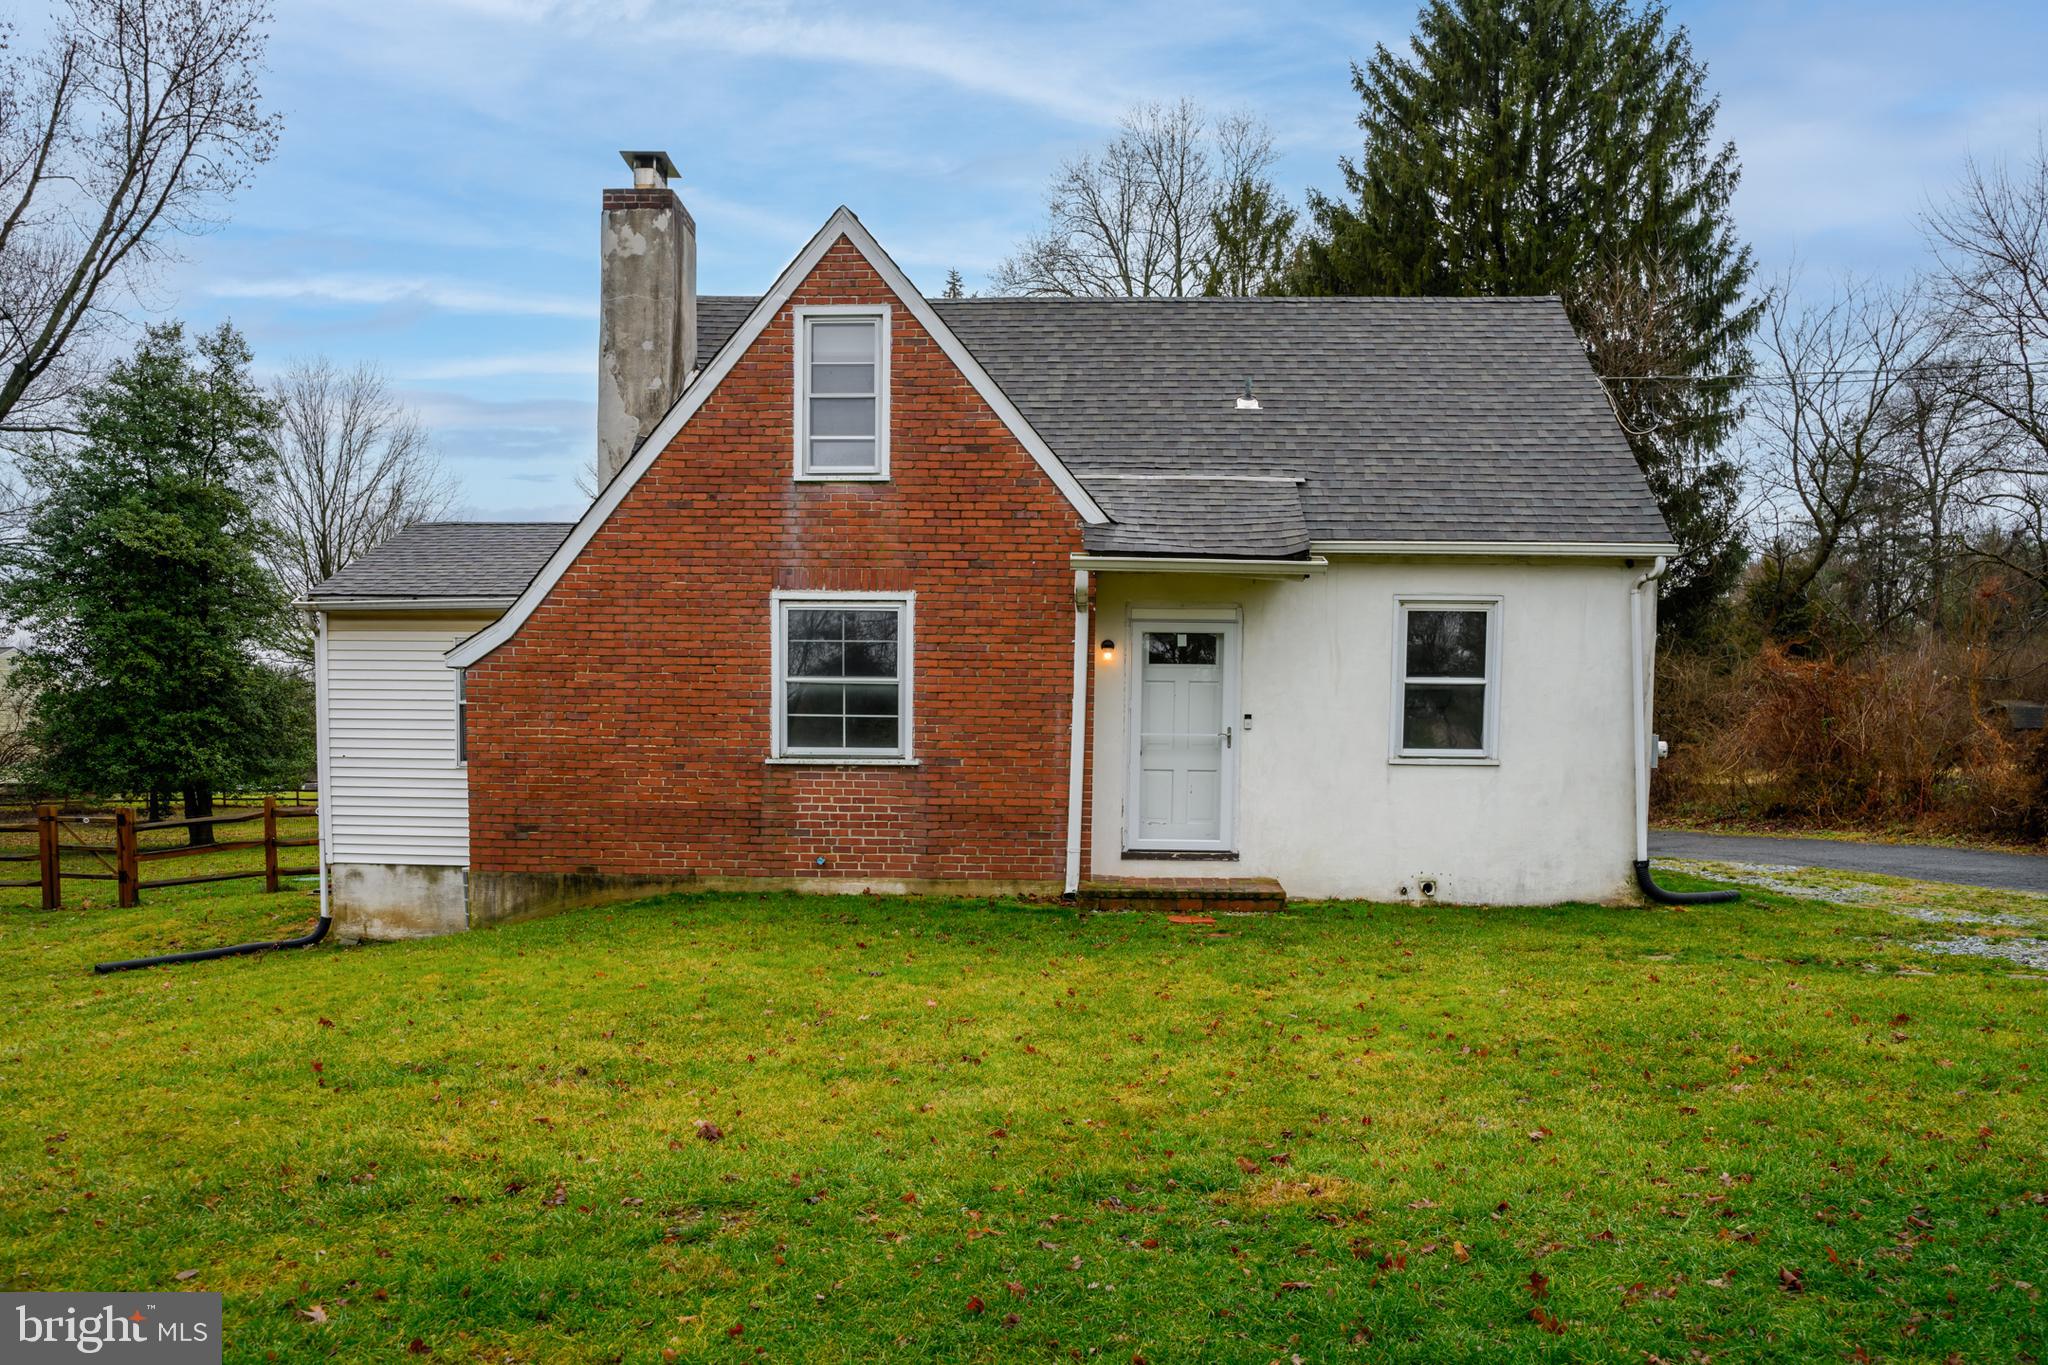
838,761
1446,760
1179,855
882,477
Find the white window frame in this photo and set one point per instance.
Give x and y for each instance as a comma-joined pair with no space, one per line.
461,717
1489,752
802,318
905,605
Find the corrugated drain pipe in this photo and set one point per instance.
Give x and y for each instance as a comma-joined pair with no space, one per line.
1639,698
305,940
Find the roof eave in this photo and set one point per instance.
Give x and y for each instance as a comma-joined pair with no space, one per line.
1219,566
396,603
1512,549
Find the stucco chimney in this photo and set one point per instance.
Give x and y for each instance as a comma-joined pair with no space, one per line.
647,316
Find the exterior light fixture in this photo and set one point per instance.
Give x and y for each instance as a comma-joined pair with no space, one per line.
1109,651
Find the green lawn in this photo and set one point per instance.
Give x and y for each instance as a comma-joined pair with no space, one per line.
853,1129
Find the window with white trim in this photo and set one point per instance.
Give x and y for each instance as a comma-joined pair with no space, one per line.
462,715
843,684
1447,672
842,382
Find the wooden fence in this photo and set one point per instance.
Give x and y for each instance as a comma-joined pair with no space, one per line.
121,861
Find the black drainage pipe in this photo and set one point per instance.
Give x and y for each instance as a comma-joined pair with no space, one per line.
306,940
1649,887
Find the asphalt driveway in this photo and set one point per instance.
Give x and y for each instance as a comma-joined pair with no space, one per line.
1922,862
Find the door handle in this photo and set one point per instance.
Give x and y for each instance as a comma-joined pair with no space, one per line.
1226,736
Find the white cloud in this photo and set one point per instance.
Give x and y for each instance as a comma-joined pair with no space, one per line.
381,290
562,363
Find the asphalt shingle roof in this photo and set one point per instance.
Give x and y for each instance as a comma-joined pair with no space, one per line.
1404,419
450,559
1379,419
1233,516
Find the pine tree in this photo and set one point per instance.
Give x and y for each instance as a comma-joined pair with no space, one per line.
956,288
1253,230
152,622
1567,146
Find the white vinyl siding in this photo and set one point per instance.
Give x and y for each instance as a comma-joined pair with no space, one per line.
397,793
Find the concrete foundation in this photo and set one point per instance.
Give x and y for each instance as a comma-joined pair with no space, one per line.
390,901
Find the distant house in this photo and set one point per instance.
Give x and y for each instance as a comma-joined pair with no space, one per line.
1012,595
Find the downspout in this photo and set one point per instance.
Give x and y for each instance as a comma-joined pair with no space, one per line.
319,930
1078,737
1639,706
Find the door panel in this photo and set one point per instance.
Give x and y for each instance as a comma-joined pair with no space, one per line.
1182,774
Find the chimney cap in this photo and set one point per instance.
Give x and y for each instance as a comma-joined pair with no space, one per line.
657,162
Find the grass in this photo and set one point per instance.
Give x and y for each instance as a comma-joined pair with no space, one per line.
717,1128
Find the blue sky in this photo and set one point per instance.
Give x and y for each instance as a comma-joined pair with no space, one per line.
433,207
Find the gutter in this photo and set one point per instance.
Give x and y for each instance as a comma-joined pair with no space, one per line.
1078,737
1639,707
1517,549
1226,568
326,604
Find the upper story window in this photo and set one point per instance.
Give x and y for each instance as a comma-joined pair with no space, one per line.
842,392
1446,680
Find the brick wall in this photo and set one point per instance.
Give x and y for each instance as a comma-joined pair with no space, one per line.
624,729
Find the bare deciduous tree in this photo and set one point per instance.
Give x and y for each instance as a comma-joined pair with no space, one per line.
1826,416
355,466
1139,219
130,127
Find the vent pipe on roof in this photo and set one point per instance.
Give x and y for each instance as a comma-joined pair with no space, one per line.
647,310
1247,400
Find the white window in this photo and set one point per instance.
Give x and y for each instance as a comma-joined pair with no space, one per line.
1446,680
462,715
842,676
842,393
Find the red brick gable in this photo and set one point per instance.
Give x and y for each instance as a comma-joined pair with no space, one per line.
624,727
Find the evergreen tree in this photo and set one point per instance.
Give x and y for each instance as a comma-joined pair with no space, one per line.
956,288
148,609
1567,146
1253,231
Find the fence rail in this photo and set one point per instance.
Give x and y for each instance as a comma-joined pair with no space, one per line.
121,861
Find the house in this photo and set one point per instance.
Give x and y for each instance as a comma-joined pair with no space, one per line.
1012,596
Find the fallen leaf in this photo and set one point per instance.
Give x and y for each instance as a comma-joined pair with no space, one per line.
315,1315
974,1303
185,1274
1543,1318
1539,1285
416,1347
1791,1281
709,1131
1460,1253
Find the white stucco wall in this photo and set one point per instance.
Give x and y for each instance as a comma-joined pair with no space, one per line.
1321,808
395,793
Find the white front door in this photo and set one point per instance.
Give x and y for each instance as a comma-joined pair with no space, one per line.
1184,744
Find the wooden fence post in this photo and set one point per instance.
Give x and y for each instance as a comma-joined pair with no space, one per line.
126,866
47,865
270,843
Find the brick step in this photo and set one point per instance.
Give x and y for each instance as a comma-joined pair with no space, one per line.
1184,895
